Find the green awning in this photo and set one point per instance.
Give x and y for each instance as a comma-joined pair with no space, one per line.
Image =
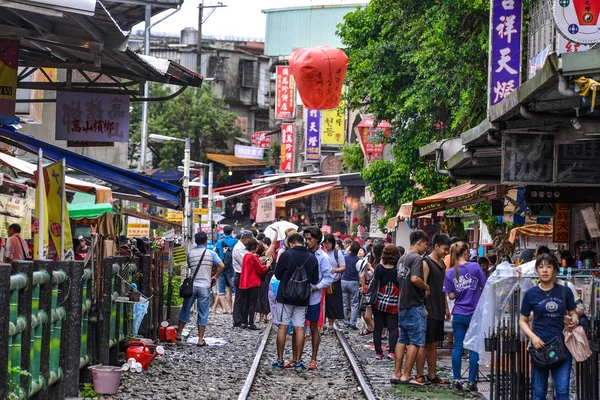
89,210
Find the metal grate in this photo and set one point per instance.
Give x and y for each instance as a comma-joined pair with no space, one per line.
542,32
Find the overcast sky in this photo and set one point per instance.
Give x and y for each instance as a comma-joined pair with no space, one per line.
241,18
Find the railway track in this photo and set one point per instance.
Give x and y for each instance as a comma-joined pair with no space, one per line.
339,375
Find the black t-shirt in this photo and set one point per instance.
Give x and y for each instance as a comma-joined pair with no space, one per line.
410,296
385,275
435,304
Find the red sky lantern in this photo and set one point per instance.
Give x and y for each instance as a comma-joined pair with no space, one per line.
319,74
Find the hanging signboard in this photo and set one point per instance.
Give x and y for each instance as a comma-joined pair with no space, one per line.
562,218
266,209
261,139
287,147
92,117
333,123
591,223
253,153
313,142
285,93
174,216
331,165
138,230
578,20
57,226
336,200
567,46
242,122
9,64
527,158
505,49
372,138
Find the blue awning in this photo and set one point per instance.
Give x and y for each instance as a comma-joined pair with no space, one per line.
165,194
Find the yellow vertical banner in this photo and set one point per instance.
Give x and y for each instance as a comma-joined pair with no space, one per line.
9,64
332,126
55,175
41,214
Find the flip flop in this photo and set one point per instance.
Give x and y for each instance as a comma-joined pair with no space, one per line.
365,332
413,381
410,381
203,344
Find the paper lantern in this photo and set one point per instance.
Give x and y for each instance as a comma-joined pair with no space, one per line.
319,74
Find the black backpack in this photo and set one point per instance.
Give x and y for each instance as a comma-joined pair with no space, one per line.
297,288
228,260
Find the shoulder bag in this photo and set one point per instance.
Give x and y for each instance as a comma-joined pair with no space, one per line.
370,298
186,290
26,255
554,352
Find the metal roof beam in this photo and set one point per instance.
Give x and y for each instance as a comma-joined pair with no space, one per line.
40,24
91,29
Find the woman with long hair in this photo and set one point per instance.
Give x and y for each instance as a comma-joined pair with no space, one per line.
385,309
365,280
463,282
552,306
334,305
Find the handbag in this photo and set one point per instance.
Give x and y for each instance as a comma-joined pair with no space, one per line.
370,298
186,290
26,255
578,344
554,352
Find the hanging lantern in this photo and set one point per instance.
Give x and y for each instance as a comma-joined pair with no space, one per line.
319,74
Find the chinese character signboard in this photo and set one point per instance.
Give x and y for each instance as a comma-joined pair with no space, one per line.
138,230
566,46
174,216
562,218
254,153
54,201
285,93
336,200
505,49
287,147
372,138
261,139
260,194
242,122
577,20
9,64
266,209
92,117
333,123
313,142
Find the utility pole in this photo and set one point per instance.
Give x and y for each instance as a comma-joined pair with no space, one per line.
201,20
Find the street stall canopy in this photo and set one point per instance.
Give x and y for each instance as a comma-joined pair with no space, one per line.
162,193
294,194
88,210
531,230
234,162
152,218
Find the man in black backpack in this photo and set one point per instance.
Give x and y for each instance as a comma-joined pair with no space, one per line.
291,305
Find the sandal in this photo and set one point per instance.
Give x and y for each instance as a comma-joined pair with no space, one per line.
312,365
365,332
437,380
422,380
203,344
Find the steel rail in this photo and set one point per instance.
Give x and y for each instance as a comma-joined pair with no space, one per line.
254,368
364,385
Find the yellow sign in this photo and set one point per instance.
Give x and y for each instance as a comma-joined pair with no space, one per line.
336,200
200,211
40,186
57,227
138,230
175,216
333,123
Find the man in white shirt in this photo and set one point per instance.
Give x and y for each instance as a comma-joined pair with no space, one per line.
239,251
238,212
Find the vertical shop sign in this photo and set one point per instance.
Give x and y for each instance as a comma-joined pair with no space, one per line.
336,200
285,93
54,201
266,209
505,49
333,125
9,64
372,138
287,147
260,139
562,218
313,131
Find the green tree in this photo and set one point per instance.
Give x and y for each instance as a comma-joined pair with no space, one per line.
353,158
422,65
196,114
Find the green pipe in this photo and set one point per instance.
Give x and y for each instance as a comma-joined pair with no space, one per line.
85,308
36,333
87,274
40,277
18,281
59,277
16,350
113,308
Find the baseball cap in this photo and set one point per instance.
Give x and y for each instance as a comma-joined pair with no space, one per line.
80,238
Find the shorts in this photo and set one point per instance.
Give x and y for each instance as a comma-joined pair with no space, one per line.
313,312
203,296
413,324
285,312
435,331
226,279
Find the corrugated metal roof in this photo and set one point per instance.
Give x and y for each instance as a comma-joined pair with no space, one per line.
234,162
301,27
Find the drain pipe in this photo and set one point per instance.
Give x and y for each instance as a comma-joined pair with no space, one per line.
563,87
491,138
438,163
525,113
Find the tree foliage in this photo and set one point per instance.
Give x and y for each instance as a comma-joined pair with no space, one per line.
353,158
196,114
422,65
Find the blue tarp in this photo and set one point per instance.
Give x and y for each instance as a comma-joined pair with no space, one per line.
166,194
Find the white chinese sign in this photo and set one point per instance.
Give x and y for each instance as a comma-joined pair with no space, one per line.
266,209
254,153
578,20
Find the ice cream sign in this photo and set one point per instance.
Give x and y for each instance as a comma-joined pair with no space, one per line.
578,20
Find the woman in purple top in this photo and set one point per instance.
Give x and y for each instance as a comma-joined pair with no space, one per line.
464,282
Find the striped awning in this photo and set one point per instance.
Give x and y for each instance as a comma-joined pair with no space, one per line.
235,162
531,230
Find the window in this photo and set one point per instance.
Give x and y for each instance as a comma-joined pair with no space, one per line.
212,67
247,72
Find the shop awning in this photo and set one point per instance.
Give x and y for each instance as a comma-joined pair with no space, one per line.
103,193
229,187
235,162
531,230
283,198
88,210
148,217
166,194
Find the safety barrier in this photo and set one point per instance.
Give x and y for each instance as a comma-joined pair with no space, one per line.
49,308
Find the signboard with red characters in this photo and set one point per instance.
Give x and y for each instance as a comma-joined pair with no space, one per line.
372,138
287,147
578,20
92,117
285,93
261,139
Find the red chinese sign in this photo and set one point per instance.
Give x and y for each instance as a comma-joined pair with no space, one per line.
562,218
261,139
285,93
372,138
287,147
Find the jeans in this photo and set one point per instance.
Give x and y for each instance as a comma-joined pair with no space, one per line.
460,325
350,288
413,325
250,296
226,279
202,294
238,304
381,318
561,375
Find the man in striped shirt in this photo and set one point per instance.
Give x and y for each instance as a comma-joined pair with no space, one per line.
204,259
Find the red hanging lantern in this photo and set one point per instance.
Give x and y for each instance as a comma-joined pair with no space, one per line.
319,74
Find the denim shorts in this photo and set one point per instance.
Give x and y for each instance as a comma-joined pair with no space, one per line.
413,325
201,294
224,280
313,312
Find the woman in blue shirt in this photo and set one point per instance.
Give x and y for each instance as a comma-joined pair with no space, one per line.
547,302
